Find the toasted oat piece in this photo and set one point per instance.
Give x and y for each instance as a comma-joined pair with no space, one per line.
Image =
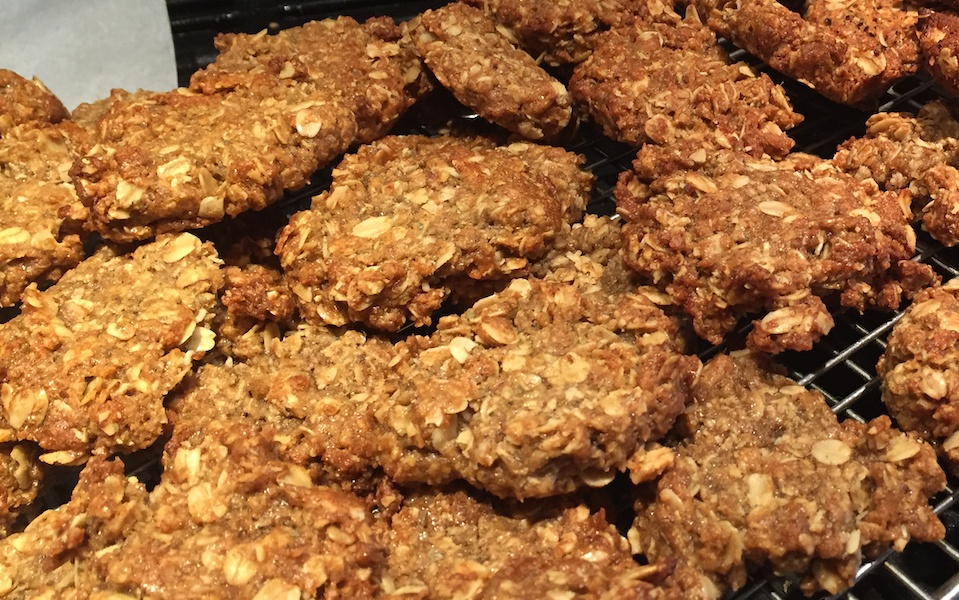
371,67
38,243
735,235
20,477
938,33
662,78
919,370
557,32
536,391
482,68
850,52
454,545
917,153
172,161
766,478
87,363
26,101
405,215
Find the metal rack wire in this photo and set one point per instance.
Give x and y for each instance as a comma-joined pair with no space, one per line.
841,366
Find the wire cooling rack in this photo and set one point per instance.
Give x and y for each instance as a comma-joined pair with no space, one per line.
841,366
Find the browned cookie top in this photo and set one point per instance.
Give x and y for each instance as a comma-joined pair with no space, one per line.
766,478
405,216
172,161
728,235
87,363
371,67
470,57
662,79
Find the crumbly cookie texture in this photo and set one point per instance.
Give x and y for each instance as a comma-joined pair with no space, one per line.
662,78
453,545
768,479
920,380
938,33
557,32
850,52
26,101
20,477
54,557
536,391
172,161
39,238
917,153
255,299
589,255
503,84
539,390
727,235
407,214
371,67
227,520
311,390
87,363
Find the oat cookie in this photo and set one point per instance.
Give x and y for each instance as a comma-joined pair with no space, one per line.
26,101
536,391
87,363
229,519
920,382
471,58
850,52
917,153
766,478
662,78
172,161
452,545
311,390
371,67
558,32
406,214
727,235
39,239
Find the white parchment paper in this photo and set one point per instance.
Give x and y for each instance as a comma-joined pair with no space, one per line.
81,49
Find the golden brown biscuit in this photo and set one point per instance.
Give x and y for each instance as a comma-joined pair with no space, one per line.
172,161
938,32
727,235
917,154
918,370
557,32
662,79
40,238
850,52
767,479
408,215
370,67
87,363
467,54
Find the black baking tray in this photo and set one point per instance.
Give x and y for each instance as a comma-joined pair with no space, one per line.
841,366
